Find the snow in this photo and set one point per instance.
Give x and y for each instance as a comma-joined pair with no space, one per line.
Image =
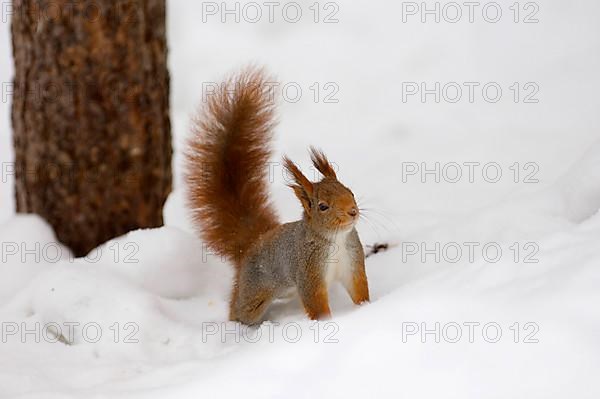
158,298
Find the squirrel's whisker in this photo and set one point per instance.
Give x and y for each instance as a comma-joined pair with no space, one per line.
377,224
371,226
375,213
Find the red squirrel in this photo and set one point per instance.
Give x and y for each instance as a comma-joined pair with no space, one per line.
226,174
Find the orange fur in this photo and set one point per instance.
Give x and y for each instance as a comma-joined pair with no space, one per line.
321,162
303,187
314,296
359,292
227,166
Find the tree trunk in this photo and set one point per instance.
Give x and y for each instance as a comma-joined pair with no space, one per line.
90,116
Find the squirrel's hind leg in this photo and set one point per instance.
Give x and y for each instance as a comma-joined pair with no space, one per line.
250,307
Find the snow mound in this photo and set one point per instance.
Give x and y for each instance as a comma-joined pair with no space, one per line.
29,247
166,262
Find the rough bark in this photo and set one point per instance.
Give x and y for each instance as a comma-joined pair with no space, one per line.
90,116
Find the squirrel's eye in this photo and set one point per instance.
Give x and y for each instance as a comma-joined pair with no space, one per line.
323,207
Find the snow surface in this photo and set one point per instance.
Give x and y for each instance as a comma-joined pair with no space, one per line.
159,299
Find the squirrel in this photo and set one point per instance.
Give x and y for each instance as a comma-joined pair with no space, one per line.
226,175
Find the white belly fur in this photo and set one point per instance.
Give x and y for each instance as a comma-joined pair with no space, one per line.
339,263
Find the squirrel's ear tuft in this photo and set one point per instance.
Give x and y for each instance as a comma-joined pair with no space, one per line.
322,163
303,187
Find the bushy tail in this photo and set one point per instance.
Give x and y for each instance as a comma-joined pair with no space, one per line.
226,165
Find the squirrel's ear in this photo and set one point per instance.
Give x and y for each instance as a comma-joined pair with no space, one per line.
303,187
304,199
322,163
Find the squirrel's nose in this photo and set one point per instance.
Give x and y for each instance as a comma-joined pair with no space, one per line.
353,212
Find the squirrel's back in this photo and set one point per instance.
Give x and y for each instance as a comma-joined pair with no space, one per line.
226,166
